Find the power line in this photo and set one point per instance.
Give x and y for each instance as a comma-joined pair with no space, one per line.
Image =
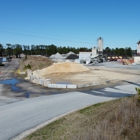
43,37
45,34
107,44
61,36
91,43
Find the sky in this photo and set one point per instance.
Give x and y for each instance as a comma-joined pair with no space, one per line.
74,23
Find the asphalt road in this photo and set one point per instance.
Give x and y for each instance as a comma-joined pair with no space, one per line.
7,71
24,115
21,116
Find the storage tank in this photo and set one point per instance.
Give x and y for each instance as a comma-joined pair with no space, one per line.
94,51
100,44
138,47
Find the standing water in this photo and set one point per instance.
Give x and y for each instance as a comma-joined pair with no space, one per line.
11,82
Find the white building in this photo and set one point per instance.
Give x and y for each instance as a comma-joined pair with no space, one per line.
84,55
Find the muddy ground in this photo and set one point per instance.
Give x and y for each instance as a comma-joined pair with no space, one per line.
13,87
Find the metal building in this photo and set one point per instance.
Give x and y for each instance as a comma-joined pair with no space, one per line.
138,48
84,55
100,45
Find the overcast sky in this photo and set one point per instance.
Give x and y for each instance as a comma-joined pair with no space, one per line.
74,23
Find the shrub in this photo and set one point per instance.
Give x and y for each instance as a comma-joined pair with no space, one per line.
27,67
138,93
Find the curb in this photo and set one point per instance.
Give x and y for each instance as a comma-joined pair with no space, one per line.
74,86
47,83
32,130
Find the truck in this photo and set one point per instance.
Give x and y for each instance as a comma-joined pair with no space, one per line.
1,60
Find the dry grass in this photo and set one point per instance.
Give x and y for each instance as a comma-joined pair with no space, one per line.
115,120
36,62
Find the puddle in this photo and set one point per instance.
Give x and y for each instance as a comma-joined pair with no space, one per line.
27,94
14,88
11,82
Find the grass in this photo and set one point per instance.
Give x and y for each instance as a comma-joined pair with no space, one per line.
114,120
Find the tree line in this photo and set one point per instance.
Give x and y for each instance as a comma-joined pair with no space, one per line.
48,50
119,51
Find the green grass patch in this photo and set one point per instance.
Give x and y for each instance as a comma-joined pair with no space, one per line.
117,119
87,110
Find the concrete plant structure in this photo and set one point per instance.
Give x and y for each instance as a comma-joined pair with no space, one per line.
100,45
94,52
137,58
96,55
138,48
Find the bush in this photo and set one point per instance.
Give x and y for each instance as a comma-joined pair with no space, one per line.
138,93
27,67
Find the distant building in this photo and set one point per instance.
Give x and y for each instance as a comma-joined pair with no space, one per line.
84,55
138,48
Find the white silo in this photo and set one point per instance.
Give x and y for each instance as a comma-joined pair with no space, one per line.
100,44
94,51
138,47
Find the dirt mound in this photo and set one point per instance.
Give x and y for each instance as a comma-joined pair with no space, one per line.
36,62
65,67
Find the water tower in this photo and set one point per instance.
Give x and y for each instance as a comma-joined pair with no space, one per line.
100,45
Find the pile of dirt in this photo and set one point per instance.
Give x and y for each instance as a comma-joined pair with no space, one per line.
65,67
127,61
36,62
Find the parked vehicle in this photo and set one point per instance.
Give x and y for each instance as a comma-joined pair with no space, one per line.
1,60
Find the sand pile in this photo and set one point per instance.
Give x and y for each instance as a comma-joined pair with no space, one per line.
64,67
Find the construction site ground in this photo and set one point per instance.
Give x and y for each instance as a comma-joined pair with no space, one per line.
12,90
98,73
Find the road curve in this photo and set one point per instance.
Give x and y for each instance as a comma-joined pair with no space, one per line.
7,71
21,116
